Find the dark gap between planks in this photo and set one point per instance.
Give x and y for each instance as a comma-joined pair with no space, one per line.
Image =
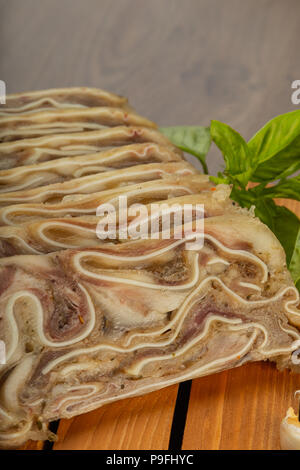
53,426
179,417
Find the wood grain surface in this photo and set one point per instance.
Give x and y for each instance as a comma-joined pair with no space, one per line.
179,63
239,409
135,423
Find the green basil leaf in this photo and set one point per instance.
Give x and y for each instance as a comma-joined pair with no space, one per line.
285,225
219,179
195,140
284,164
276,148
294,264
235,150
243,197
288,188
266,212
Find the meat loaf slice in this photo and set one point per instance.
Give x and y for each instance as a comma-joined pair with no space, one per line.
51,147
64,169
86,327
87,204
97,182
67,120
46,236
76,97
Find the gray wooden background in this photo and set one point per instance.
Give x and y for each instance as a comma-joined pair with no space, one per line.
179,61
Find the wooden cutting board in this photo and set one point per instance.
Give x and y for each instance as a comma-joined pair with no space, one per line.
235,409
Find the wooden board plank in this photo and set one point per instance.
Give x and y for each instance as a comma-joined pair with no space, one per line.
32,445
132,424
239,409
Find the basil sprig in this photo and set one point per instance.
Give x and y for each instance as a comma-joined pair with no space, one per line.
236,153
270,158
276,148
195,140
